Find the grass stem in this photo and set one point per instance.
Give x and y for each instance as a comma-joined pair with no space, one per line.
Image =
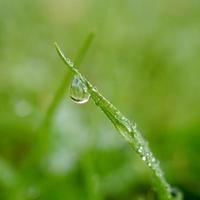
130,133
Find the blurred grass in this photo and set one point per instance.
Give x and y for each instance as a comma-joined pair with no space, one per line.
146,61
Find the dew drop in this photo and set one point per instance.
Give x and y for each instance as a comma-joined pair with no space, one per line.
143,158
140,149
79,91
70,62
153,160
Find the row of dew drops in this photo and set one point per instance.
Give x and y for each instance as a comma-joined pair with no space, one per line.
80,95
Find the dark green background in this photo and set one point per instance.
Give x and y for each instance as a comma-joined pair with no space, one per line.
145,58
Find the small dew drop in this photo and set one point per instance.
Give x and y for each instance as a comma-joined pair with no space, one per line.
149,164
70,62
79,91
153,160
143,158
140,149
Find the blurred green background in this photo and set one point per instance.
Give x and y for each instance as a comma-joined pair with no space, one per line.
145,58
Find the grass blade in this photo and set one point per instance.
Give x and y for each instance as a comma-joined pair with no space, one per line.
129,131
64,84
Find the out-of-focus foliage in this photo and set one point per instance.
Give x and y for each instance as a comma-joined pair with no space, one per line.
145,58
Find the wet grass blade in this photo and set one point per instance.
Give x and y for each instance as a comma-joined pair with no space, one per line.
61,91
129,131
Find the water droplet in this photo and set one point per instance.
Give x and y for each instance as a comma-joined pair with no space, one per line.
149,164
143,158
140,149
79,91
70,62
153,160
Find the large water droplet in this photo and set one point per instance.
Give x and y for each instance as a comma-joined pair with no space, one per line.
79,91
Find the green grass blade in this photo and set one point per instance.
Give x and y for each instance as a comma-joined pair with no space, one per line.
128,130
64,84
84,48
